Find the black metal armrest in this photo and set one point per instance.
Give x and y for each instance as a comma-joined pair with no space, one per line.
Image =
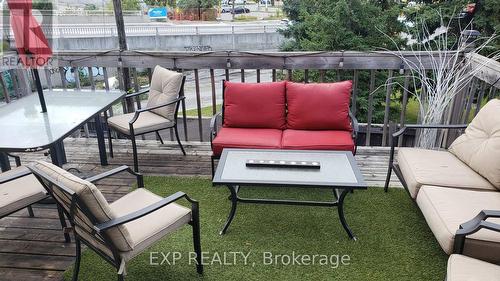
13,175
213,123
140,180
16,158
145,211
139,111
141,92
354,124
429,126
474,225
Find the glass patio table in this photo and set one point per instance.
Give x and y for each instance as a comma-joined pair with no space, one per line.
335,170
25,129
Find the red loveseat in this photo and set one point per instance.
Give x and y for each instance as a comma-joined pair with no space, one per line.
284,115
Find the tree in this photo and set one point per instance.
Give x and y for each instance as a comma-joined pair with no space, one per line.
44,5
196,4
127,5
161,3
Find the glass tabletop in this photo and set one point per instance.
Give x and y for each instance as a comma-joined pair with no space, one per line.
24,127
337,168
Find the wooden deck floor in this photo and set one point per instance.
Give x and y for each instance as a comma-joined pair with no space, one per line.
34,248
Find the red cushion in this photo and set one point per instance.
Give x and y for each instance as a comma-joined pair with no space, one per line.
317,140
320,106
254,105
246,138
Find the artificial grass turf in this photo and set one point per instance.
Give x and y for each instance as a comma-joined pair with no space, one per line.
394,242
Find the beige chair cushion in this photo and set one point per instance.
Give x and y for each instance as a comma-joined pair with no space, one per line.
440,168
445,209
150,228
463,268
479,146
146,122
164,88
90,196
19,193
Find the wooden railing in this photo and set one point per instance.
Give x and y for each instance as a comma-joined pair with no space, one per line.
368,70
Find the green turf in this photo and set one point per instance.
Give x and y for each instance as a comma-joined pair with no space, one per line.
394,240
205,111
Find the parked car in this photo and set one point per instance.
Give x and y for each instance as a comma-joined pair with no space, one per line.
263,2
226,9
241,10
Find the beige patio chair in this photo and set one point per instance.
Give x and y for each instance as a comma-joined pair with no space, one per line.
20,189
463,268
472,162
119,231
165,95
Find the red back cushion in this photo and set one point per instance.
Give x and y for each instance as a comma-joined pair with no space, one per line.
321,106
255,105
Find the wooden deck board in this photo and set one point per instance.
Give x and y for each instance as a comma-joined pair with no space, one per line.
34,248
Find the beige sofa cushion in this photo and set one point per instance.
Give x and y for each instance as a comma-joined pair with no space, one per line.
164,88
445,209
146,122
19,193
463,268
479,146
90,196
150,228
440,168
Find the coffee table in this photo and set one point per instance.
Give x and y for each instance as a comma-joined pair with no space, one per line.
337,170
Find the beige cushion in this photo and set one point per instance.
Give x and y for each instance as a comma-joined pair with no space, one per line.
164,88
440,168
146,122
463,268
150,228
445,209
89,195
19,193
479,146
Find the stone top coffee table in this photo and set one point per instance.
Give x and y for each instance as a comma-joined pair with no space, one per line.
336,170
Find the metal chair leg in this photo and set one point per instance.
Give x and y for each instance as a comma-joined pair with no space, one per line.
134,152
159,137
60,212
196,239
76,269
30,211
178,139
213,166
110,143
388,179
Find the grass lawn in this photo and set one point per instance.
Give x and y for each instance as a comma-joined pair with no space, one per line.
205,111
394,242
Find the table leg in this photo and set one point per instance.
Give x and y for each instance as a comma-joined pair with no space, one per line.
4,162
57,154
340,208
100,139
234,202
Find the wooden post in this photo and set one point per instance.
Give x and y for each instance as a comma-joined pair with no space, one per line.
122,43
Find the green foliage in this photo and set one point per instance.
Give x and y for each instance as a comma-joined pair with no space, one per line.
127,5
44,5
90,7
340,25
161,3
486,19
192,4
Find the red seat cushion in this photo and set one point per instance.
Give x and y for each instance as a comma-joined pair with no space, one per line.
317,140
255,105
246,138
318,106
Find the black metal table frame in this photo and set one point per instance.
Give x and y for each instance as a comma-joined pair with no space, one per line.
339,203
